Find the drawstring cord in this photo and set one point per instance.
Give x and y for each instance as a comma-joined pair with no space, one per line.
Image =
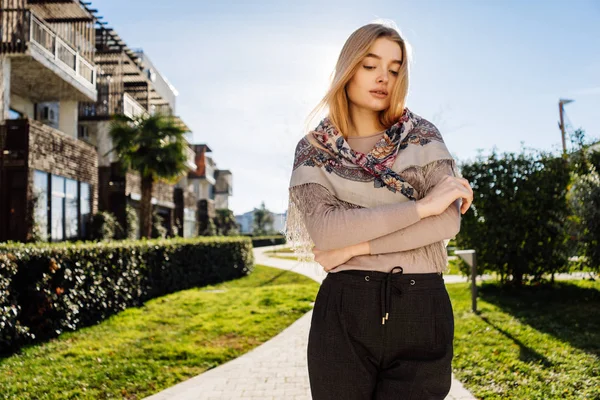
386,294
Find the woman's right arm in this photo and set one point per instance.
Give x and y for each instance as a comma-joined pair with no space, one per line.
331,226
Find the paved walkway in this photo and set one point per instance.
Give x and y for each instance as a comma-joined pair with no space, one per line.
275,370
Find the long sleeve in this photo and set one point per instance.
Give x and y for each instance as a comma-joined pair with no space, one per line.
428,230
333,226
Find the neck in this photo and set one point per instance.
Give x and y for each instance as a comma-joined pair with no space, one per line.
363,122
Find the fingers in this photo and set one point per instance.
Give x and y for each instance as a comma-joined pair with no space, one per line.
466,184
467,192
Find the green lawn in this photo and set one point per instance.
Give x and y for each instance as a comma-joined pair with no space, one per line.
284,257
284,253
143,350
538,343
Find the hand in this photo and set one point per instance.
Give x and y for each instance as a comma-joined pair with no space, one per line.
443,194
329,259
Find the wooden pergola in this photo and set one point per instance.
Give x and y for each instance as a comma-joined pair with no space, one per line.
120,71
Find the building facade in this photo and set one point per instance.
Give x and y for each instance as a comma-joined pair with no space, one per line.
128,83
63,76
211,186
48,177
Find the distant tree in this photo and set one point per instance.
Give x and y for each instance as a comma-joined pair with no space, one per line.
581,158
225,222
263,221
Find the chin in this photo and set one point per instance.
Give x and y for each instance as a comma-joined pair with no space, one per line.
373,104
377,107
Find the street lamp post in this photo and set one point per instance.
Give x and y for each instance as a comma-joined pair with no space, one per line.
561,124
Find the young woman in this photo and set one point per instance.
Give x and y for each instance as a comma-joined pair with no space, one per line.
375,196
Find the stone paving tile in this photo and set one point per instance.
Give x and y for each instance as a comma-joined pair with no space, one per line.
275,370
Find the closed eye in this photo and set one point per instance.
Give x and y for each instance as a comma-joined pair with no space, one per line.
368,67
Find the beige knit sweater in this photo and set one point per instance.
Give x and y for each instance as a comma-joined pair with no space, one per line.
396,233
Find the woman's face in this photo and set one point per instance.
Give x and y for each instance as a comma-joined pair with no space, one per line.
370,86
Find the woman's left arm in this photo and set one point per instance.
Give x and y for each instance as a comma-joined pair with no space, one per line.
428,230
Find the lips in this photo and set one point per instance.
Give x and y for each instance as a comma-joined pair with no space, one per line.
380,91
379,94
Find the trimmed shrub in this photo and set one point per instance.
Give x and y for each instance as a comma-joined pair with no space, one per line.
47,289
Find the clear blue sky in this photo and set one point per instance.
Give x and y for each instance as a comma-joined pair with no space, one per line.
487,73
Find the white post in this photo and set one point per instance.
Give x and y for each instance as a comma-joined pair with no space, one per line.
470,257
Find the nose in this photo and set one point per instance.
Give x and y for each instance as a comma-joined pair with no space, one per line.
383,78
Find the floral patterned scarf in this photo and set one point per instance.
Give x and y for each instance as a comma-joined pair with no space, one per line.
378,162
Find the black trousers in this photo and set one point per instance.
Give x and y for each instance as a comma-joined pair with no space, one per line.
377,335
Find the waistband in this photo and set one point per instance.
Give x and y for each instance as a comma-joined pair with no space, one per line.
398,281
428,280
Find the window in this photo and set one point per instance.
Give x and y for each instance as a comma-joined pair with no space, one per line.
85,208
57,212
14,114
67,213
71,210
189,223
83,132
40,198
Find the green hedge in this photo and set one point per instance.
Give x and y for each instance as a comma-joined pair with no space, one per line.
260,241
47,289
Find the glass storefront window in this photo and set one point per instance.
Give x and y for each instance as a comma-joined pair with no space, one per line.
71,210
57,212
85,207
189,223
65,211
40,211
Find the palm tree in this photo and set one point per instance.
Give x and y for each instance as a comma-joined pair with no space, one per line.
154,146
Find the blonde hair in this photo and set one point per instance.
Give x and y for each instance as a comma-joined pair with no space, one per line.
354,50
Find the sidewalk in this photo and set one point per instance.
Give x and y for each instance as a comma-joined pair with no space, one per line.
275,370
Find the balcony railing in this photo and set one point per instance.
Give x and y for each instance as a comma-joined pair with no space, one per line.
60,51
20,28
109,104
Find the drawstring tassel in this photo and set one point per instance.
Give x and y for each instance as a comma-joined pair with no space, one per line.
386,295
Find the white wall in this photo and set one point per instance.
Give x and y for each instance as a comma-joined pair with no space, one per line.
67,117
221,201
22,105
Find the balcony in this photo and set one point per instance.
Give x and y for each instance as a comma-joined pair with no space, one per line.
61,52
44,66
